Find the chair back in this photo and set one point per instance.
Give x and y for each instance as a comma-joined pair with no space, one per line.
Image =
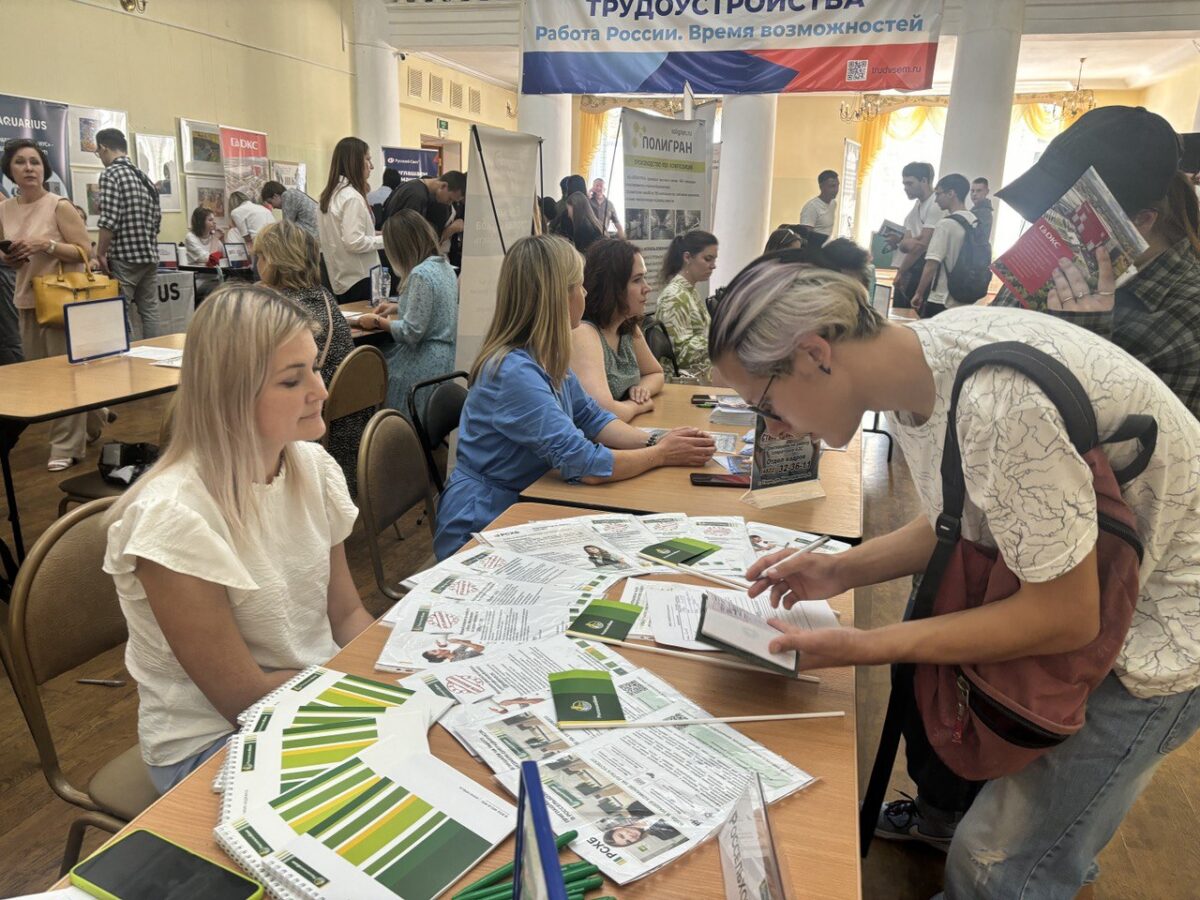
438,420
64,611
359,383
392,479
660,345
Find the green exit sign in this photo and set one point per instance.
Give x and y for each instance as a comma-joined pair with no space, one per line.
443,125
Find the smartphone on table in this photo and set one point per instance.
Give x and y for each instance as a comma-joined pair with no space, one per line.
707,479
145,866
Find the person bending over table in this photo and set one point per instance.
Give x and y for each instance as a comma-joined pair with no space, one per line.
690,259
526,412
609,354
807,349
228,554
423,322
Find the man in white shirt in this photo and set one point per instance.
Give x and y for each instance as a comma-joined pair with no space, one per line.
917,178
949,235
820,213
248,217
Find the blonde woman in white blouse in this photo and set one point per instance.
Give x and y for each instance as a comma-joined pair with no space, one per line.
228,555
346,224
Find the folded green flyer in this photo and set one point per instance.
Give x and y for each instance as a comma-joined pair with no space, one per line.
680,551
584,698
605,618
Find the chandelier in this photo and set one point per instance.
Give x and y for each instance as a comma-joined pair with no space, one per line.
864,108
1073,104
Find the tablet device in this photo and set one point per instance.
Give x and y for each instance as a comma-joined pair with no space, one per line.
237,255
168,256
96,328
144,866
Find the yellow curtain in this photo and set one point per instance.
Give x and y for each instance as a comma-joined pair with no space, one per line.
591,132
1039,118
899,125
870,137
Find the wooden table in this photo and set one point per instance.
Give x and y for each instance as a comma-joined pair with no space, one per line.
48,388
361,335
838,513
816,828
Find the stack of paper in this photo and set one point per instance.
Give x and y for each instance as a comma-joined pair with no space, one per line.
328,743
732,411
638,797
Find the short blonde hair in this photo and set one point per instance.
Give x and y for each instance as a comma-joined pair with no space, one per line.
230,343
771,305
287,257
532,309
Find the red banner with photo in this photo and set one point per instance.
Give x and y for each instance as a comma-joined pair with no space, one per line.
244,156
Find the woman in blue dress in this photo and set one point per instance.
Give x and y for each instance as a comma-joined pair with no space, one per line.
526,412
423,322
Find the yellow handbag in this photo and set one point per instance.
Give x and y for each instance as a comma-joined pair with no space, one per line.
53,292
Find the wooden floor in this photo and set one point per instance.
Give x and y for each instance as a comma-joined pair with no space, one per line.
1154,855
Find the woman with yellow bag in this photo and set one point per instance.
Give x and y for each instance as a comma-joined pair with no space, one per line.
40,235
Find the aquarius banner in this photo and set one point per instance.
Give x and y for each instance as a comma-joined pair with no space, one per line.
500,201
728,46
45,123
668,167
244,157
411,163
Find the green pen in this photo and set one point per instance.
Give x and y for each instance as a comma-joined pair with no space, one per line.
582,887
578,871
506,870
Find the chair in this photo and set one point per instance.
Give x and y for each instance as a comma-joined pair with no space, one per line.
64,612
92,486
659,342
392,479
443,409
359,383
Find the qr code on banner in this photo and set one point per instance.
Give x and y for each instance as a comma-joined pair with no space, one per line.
856,70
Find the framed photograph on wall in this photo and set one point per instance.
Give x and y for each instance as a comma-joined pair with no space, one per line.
156,157
85,186
83,123
290,174
201,145
209,193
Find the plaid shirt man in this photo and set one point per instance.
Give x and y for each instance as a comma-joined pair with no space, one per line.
129,208
1156,318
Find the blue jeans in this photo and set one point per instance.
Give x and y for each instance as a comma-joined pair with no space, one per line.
1036,834
166,777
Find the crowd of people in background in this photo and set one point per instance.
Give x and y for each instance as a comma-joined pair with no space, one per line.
565,366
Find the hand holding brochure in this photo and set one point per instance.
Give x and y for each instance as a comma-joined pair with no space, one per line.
742,633
1085,221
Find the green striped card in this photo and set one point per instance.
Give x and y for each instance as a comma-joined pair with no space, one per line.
584,698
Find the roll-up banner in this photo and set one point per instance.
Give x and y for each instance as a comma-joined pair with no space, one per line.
411,163
667,181
244,158
728,46
45,123
501,193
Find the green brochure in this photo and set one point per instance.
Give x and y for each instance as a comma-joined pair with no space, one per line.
605,618
584,698
680,551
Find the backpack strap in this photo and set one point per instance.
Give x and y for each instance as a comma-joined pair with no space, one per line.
1144,430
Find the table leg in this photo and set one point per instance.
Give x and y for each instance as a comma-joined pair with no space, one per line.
9,433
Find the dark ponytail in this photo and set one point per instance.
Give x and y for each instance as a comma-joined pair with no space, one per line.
692,242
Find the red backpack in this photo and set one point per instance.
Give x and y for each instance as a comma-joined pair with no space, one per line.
992,719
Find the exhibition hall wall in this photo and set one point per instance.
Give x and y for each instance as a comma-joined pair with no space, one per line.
278,66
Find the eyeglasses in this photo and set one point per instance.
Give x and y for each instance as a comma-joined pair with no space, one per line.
757,407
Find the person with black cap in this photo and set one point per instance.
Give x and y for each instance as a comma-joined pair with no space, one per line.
1155,315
